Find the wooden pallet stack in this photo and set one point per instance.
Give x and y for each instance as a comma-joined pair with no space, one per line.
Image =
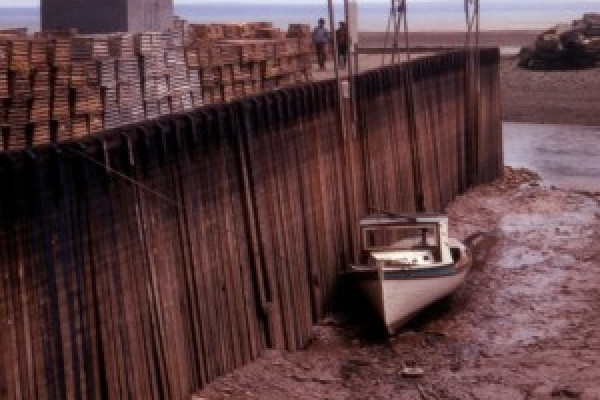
181,96
167,86
12,32
303,34
205,32
237,60
34,88
127,91
18,96
199,62
298,31
41,92
286,64
59,57
249,30
57,86
92,70
4,60
269,33
149,48
107,70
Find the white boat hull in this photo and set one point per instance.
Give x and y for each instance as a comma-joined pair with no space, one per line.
398,299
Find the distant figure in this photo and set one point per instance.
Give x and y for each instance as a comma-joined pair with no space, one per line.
320,39
342,42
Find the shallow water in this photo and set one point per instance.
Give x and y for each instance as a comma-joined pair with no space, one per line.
509,50
567,156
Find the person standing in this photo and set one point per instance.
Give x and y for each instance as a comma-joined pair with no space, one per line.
320,39
342,42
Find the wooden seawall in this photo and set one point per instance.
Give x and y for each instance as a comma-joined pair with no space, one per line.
214,235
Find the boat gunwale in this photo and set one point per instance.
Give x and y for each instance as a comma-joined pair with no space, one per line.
427,272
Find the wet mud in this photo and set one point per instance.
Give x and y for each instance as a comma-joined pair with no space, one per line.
550,97
525,325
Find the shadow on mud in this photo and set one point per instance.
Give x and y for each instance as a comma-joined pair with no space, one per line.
357,313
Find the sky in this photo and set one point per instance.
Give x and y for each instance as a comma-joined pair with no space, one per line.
26,3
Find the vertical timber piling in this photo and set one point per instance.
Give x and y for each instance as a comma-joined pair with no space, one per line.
149,260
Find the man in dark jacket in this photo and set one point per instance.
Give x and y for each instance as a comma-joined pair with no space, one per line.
342,42
320,39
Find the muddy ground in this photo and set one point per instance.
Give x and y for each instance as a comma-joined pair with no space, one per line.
440,38
525,326
550,97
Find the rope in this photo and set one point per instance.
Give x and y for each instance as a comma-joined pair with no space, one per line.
153,192
134,182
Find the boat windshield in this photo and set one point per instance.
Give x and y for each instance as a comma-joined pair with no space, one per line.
401,237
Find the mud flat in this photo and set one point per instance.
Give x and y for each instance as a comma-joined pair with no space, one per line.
487,38
525,325
550,97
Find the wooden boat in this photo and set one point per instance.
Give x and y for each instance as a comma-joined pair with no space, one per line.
408,263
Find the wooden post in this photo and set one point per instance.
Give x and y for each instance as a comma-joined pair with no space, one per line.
352,26
336,66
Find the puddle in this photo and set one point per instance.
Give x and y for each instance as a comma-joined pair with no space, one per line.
519,257
510,50
535,257
567,156
558,224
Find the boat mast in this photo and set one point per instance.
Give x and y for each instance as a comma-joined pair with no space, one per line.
336,67
398,21
473,74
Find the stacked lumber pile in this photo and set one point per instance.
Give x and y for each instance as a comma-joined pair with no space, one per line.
249,30
167,85
303,34
91,70
57,86
30,71
61,86
120,83
237,60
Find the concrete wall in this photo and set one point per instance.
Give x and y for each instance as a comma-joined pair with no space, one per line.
94,16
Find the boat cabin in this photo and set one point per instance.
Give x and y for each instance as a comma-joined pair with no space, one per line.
405,240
